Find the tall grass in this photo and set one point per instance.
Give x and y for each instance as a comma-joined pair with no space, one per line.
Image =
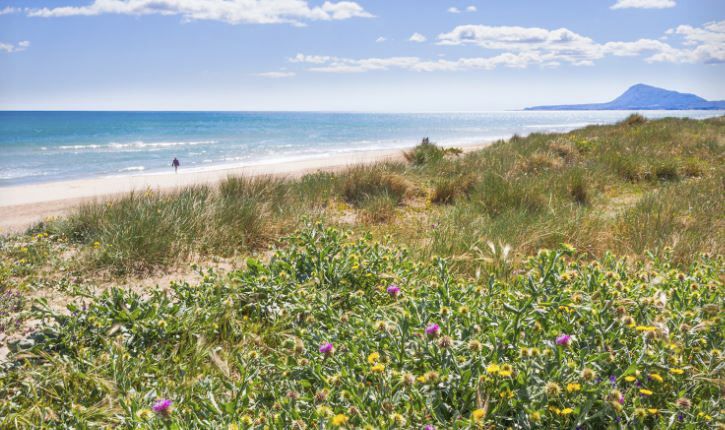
601,188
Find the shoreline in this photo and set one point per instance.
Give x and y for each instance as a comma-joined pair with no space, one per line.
21,206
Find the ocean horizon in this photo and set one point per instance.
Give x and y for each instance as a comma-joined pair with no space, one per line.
49,146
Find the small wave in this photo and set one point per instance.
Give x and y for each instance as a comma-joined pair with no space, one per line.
133,169
135,145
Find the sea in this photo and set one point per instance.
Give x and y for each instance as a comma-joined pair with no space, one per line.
40,147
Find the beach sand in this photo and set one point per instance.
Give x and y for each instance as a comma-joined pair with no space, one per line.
23,205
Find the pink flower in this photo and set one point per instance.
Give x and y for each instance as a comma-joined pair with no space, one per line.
432,330
162,407
327,348
393,290
563,340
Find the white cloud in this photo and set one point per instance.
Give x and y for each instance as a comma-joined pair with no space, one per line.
9,9
530,46
562,43
230,11
643,4
380,39
471,8
417,38
453,9
9,48
276,75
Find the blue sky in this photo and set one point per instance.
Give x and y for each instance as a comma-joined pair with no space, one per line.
365,55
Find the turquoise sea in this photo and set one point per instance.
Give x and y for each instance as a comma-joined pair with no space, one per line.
51,146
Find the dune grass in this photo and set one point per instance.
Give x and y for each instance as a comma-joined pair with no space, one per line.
634,186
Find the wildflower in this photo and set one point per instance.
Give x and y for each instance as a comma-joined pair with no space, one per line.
656,377
535,416
567,411
378,368
493,368
652,411
630,378
144,414
408,379
645,392
445,342
573,387
163,407
432,330
474,345
478,414
645,328
563,340
397,419
327,349
677,371
373,357
684,403
640,413
552,389
393,290
339,420
588,374
233,426
429,427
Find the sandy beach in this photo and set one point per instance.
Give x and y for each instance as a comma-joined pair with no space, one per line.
23,205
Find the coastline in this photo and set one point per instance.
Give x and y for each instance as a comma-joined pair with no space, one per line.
21,206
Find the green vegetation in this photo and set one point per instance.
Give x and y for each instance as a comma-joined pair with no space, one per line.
306,326
335,331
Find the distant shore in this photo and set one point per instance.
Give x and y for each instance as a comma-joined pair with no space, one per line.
22,206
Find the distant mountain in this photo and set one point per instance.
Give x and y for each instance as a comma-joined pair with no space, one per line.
645,97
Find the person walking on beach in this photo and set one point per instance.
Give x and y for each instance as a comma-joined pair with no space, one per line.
176,165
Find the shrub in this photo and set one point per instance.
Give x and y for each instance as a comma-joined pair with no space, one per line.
447,190
378,209
361,183
427,153
634,119
578,188
666,170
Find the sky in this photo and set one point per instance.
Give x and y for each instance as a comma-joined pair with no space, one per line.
363,55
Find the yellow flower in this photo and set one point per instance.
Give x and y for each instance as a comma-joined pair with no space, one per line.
652,411
535,416
373,357
493,368
630,378
144,414
422,379
645,392
645,328
232,426
378,368
478,414
656,377
567,411
505,373
339,420
677,371
573,387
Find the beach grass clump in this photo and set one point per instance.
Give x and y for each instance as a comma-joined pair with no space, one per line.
361,183
428,152
340,331
447,190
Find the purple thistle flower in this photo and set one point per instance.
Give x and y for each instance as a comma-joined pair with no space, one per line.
327,348
563,340
432,330
393,290
429,427
162,407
